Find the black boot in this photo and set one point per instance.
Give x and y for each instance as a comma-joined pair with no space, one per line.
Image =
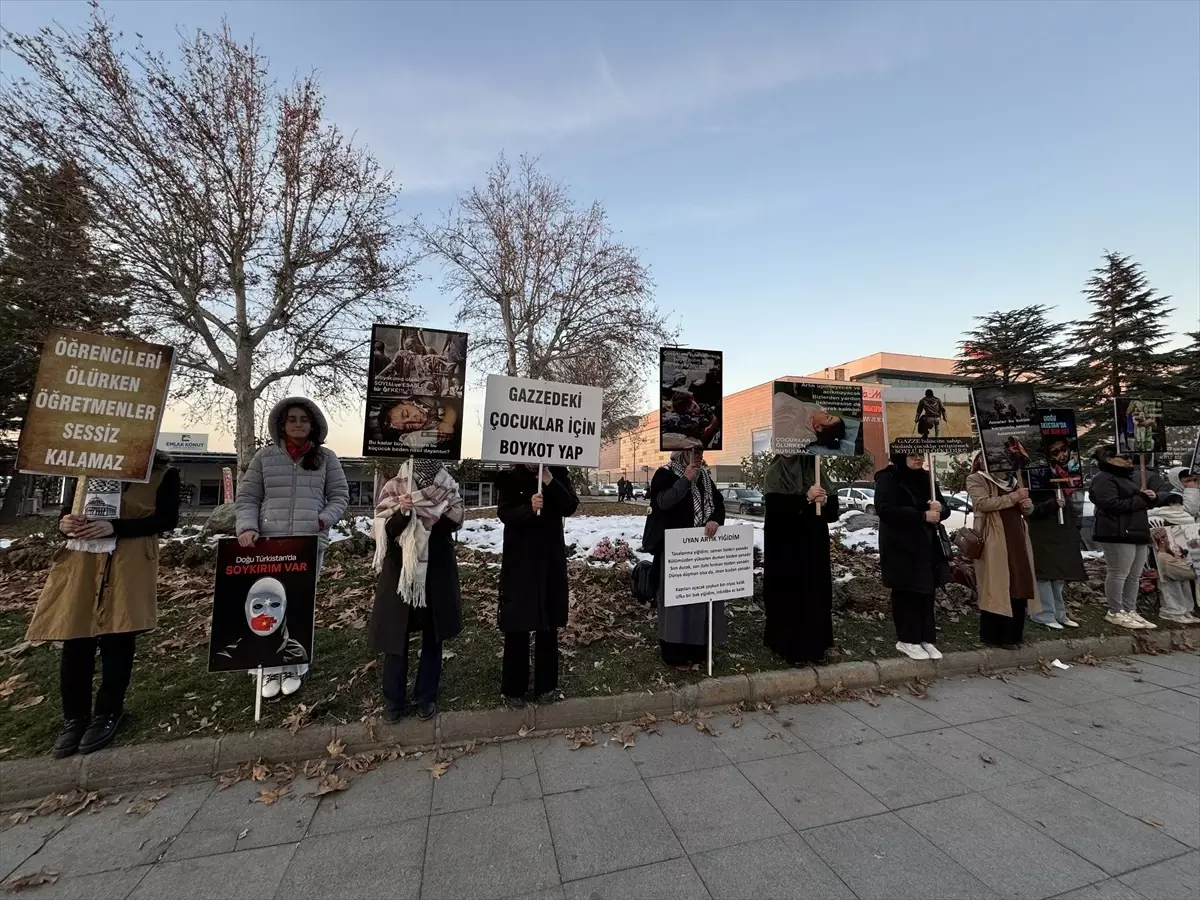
101,732
426,711
69,738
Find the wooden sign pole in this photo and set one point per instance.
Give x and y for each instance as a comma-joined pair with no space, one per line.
1142,467
541,469
80,500
817,481
1059,493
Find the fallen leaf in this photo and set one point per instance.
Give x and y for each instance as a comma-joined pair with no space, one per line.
625,735
1019,698
243,833
140,808
20,817
260,772
770,736
681,718
917,690
581,737
1154,822
28,703
1088,659
1045,669
990,760
33,879
331,782
336,748
648,722
88,799
439,768
10,684
525,729
869,699
470,748
705,728
735,722
704,715
155,798
764,706
268,796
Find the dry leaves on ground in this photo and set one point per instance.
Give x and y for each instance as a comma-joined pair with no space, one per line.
681,718
918,690
1153,822
33,879
10,684
705,728
336,749
439,768
269,796
625,735
648,723
1088,659
27,703
990,760
331,782
581,737
1045,669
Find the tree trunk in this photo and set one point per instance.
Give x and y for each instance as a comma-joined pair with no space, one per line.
245,432
11,510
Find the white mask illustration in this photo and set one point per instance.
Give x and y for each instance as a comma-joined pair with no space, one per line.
266,604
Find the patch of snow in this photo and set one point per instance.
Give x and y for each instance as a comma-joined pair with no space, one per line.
1093,554
5,543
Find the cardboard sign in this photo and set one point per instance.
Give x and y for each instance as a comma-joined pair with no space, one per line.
1140,426
263,604
1060,445
919,446
691,399
816,419
531,421
415,386
96,407
703,570
1010,429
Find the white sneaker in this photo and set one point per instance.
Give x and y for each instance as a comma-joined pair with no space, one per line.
270,687
912,651
1057,626
1145,623
291,684
1185,619
1121,620
1070,623
934,652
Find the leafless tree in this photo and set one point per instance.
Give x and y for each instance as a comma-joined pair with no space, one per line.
546,289
259,239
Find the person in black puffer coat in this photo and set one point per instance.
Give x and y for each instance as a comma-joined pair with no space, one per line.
910,554
1122,529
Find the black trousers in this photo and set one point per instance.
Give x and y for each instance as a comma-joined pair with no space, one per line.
999,630
514,679
913,615
78,665
429,673
674,654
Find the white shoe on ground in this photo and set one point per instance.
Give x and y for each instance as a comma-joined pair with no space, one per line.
1187,619
270,687
912,651
932,651
1145,623
1122,620
1070,623
291,684
1057,626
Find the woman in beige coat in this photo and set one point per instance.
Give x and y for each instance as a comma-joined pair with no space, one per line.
1004,575
100,594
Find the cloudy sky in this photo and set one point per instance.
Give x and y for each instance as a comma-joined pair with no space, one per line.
809,182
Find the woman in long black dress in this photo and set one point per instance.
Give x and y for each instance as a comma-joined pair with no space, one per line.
797,575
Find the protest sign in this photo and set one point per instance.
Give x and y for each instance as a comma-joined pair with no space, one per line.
96,407
920,446
699,569
531,421
1140,427
1060,446
928,412
690,399
415,386
816,419
263,604
1009,429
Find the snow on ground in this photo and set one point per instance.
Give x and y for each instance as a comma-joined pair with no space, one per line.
4,543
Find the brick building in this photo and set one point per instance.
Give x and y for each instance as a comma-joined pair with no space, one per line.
747,426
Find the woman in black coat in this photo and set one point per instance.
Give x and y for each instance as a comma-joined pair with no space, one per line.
431,501
1056,555
911,559
533,577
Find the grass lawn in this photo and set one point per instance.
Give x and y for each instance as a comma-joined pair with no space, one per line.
610,645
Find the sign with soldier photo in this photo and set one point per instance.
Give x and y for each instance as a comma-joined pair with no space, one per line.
1140,426
96,407
415,387
816,419
1010,431
263,604
690,399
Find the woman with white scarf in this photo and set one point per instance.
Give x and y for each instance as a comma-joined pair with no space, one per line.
417,589
1175,534
682,495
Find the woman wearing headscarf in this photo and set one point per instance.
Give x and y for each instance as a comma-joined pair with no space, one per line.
100,594
417,589
294,485
910,551
682,495
533,577
1122,529
1056,555
1004,574
797,574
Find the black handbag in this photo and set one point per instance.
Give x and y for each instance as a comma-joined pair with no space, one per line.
644,581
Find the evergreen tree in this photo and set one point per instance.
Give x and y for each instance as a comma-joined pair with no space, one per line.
51,276
1184,406
1010,346
1117,349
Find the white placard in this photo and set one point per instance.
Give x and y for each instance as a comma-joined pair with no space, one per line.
703,570
530,421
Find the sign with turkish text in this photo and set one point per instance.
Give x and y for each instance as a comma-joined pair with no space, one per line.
1010,430
919,446
816,419
1060,445
530,421
703,569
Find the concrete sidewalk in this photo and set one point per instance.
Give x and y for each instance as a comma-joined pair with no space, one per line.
1085,785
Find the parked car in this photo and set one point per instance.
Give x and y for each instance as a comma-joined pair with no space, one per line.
743,500
608,490
639,492
962,514
862,499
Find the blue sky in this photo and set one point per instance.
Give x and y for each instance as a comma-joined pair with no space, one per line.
809,182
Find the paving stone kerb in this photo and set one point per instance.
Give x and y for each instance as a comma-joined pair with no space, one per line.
25,779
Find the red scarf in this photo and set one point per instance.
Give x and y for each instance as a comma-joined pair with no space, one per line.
295,451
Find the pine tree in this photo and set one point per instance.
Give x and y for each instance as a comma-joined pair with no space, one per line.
1184,406
1117,350
1010,346
51,276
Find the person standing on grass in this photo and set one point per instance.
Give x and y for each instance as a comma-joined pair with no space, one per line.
1004,575
682,495
417,589
293,486
1122,529
1056,555
533,577
911,560
100,594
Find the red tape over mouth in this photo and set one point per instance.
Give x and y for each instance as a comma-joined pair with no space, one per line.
262,622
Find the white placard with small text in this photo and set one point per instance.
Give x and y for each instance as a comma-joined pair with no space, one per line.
703,570
531,421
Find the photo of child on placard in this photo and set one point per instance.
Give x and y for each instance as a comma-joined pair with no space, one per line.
691,398
816,419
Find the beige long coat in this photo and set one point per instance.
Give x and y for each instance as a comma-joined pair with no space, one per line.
991,569
89,594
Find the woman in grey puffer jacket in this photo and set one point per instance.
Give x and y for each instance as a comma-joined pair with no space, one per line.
293,486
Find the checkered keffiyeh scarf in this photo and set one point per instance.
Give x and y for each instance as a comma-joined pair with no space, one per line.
702,488
434,494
